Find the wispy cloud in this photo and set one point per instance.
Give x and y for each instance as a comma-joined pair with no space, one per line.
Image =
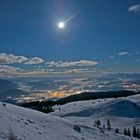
34,61
134,8
80,63
123,53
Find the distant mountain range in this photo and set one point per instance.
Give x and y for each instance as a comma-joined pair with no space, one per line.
15,87
12,93
9,89
6,84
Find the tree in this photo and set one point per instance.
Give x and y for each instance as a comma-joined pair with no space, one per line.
128,132
77,128
108,125
125,131
117,130
134,132
97,123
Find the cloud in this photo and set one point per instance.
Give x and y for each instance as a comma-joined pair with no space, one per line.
8,69
78,71
10,58
123,53
81,63
34,61
134,8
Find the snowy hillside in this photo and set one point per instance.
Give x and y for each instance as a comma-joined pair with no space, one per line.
135,98
122,112
28,124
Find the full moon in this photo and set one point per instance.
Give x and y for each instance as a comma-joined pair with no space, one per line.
61,25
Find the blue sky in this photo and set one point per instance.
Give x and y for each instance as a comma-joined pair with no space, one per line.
103,37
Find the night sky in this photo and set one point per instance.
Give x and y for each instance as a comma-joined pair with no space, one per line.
104,37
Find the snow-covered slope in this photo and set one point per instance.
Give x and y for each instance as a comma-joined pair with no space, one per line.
117,107
135,98
28,124
123,112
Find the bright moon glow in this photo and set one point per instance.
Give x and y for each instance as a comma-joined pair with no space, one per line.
61,25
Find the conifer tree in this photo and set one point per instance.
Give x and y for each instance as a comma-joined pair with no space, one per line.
125,131
128,132
117,130
134,132
108,125
97,123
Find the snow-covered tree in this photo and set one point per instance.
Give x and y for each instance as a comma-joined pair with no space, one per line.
97,123
108,125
